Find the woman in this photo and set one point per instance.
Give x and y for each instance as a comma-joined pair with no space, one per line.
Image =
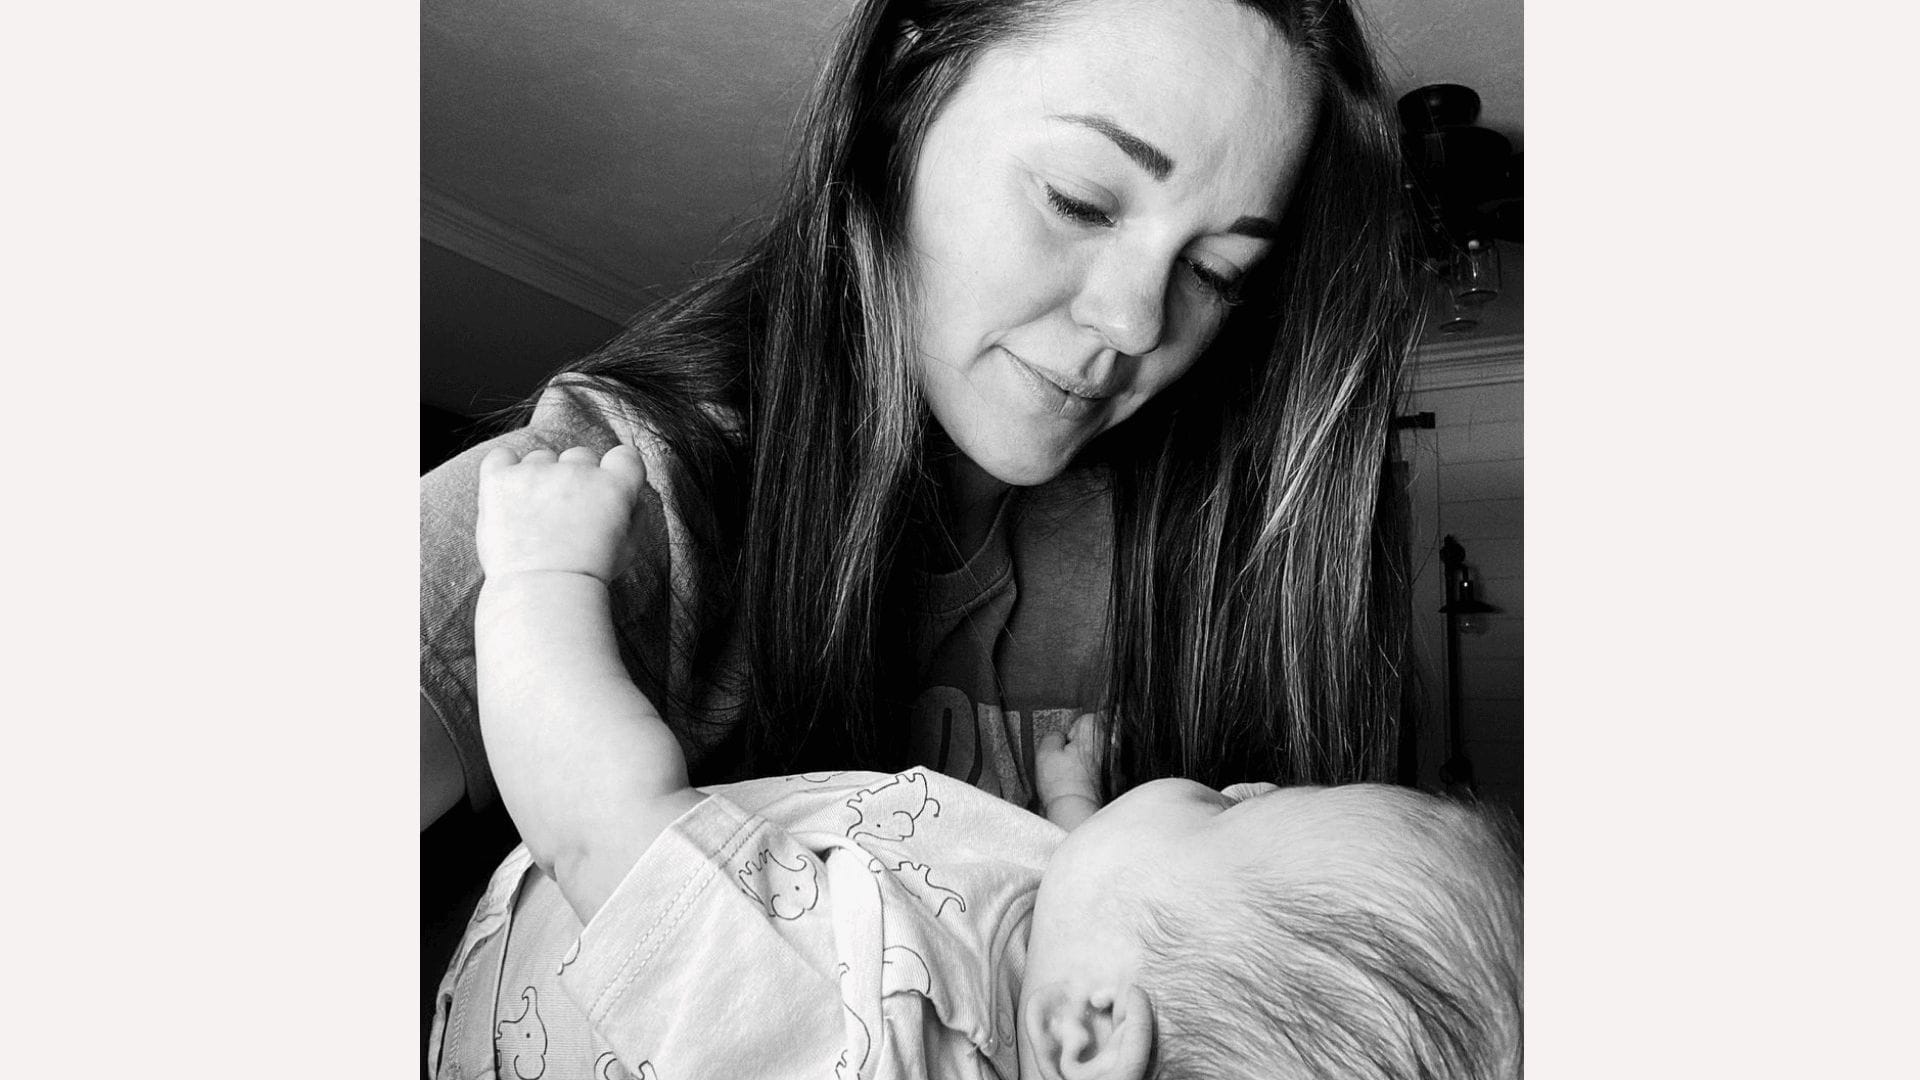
1060,381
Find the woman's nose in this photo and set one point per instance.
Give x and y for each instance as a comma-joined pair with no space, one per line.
1124,300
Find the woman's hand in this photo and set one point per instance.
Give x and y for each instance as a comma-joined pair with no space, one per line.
1067,770
570,512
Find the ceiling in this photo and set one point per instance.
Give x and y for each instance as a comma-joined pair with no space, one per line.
601,150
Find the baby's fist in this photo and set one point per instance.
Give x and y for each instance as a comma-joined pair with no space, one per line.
1068,763
570,512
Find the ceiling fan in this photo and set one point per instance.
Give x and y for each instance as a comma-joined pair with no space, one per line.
1464,192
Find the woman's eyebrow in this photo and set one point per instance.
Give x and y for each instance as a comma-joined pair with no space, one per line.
1159,166
1145,154
1257,227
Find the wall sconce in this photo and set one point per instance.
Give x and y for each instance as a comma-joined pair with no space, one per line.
1468,610
1463,609
1465,613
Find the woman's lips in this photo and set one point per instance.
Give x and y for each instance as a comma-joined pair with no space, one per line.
1053,394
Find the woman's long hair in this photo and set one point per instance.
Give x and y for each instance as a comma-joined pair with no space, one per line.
1259,586
1257,605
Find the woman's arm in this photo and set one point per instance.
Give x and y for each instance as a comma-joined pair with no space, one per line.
441,783
588,769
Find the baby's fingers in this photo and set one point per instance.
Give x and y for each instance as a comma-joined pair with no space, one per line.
498,458
625,462
579,455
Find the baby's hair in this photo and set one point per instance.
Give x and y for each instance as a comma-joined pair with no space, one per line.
1401,962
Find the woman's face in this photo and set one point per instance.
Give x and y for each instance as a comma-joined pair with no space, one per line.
1081,211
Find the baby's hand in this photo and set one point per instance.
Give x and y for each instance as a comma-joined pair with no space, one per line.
570,512
1067,770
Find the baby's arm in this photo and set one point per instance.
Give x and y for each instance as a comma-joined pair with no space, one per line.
1067,768
587,768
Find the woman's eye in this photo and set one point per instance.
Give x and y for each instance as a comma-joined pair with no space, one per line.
1222,286
1075,210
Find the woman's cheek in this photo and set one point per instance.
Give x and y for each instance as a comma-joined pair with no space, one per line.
1195,317
1032,262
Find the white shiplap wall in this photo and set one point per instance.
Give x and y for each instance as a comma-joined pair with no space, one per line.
1465,478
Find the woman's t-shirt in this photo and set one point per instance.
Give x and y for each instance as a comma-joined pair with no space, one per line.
1008,646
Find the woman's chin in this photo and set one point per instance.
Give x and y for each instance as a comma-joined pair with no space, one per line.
1023,470
1019,460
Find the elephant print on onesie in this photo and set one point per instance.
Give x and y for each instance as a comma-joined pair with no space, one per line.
608,1067
859,1040
917,879
787,889
859,1045
903,971
890,810
520,1044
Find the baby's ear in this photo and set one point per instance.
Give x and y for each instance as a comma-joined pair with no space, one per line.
1104,1035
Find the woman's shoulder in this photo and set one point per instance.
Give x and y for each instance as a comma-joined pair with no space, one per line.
574,412
577,411
651,600
597,408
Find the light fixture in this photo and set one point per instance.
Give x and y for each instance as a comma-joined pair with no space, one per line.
1464,192
1476,273
1464,612
1468,610
1456,316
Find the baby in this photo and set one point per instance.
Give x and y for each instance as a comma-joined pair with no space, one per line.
862,924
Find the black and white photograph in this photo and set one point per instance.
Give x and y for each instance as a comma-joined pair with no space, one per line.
972,538
1057,539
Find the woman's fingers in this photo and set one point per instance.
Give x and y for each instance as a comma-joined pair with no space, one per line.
579,455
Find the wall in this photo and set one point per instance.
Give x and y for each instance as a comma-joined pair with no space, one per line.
486,340
1465,479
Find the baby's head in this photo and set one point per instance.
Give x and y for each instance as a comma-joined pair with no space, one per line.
1359,931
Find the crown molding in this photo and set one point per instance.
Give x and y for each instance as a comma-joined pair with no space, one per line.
496,245
1450,365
